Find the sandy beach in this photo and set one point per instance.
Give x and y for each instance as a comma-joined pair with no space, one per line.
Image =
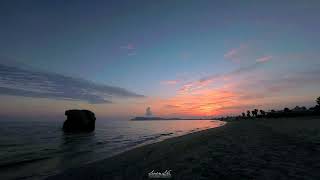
246,149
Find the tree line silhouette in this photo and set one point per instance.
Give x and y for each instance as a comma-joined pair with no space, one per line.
286,112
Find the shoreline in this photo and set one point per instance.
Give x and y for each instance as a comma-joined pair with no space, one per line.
253,148
142,145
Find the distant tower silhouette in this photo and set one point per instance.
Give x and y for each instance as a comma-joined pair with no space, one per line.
148,112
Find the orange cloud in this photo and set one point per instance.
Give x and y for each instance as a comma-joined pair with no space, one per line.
229,98
231,93
204,102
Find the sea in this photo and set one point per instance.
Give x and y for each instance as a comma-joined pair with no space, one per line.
38,149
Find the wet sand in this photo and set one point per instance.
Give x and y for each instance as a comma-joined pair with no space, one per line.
246,149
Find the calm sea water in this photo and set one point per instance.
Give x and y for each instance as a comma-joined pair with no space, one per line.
35,150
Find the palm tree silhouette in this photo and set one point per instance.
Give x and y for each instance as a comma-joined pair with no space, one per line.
248,114
253,113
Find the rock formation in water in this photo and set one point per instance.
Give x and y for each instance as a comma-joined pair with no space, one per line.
79,121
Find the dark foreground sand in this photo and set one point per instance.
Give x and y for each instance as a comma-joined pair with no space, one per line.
246,149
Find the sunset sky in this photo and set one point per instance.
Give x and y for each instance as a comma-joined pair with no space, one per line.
182,58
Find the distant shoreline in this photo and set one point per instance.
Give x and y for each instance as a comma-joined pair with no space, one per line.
167,119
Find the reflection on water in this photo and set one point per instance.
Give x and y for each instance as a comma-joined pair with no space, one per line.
80,146
38,149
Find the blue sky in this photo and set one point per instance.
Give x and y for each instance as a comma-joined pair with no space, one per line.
157,48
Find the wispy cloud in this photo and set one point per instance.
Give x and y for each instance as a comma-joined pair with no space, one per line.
235,54
208,80
191,86
264,59
245,54
30,83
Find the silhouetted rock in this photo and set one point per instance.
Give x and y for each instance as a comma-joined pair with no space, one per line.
79,121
